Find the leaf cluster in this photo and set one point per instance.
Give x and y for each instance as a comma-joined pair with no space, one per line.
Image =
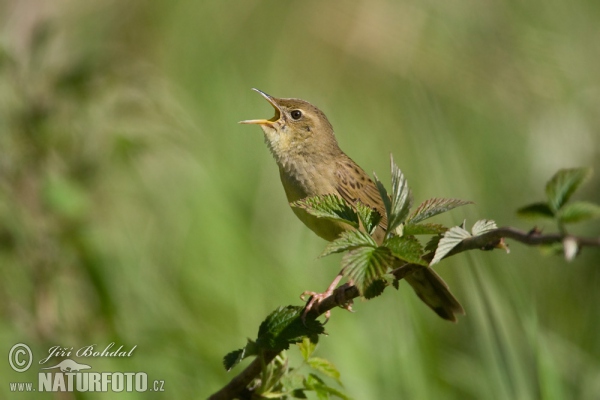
365,261
282,327
557,206
280,381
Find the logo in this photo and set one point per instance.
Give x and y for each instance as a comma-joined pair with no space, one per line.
20,357
69,366
67,375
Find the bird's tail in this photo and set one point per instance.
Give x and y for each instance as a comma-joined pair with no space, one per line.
434,292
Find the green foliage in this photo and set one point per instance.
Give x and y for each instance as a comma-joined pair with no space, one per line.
406,248
349,240
282,327
559,190
398,207
280,381
457,234
578,211
369,217
365,262
563,184
364,265
432,207
329,207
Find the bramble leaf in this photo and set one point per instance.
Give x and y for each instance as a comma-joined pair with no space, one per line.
368,216
284,326
401,198
482,226
348,240
233,358
423,229
329,206
578,211
450,240
364,265
563,184
307,347
375,289
406,248
536,210
325,367
432,207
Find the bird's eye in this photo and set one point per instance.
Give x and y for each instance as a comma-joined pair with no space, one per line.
296,114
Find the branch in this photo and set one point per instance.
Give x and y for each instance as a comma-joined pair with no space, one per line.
343,294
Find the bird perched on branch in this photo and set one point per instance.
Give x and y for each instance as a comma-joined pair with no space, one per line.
311,163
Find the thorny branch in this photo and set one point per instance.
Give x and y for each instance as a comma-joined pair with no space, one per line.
236,388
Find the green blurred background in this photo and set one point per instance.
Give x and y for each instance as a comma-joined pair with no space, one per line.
134,209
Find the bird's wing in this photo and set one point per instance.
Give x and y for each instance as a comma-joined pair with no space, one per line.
353,184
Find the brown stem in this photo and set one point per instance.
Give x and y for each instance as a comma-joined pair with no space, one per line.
346,292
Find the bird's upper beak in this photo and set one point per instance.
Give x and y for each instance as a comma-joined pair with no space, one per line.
275,118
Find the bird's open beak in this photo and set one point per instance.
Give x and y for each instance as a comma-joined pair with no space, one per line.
275,118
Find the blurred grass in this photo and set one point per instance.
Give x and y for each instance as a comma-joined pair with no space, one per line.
133,207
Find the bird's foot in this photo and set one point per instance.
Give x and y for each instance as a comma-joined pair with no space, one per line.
315,299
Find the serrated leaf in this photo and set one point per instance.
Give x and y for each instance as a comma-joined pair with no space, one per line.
313,382
232,359
483,226
406,248
364,265
368,216
432,244
578,211
450,240
325,367
307,347
401,198
423,229
348,240
387,202
432,207
563,184
329,206
284,326
536,210
374,289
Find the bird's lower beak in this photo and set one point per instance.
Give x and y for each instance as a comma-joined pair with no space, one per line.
270,121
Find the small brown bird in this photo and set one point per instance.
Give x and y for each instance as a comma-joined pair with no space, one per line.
311,164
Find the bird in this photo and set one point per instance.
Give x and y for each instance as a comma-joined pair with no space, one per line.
311,163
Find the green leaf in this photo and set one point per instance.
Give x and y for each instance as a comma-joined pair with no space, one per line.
401,198
450,240
313,382
233,358
325,367
307,347
368,216
375,289
563,184
406,248
432,207
432,244
578,211
329,206
364,265
284,326
423,229
536,210
483,226
348,240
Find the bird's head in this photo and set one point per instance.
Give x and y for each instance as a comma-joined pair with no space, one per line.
297,129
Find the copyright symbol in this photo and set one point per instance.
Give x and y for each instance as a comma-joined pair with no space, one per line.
20,357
